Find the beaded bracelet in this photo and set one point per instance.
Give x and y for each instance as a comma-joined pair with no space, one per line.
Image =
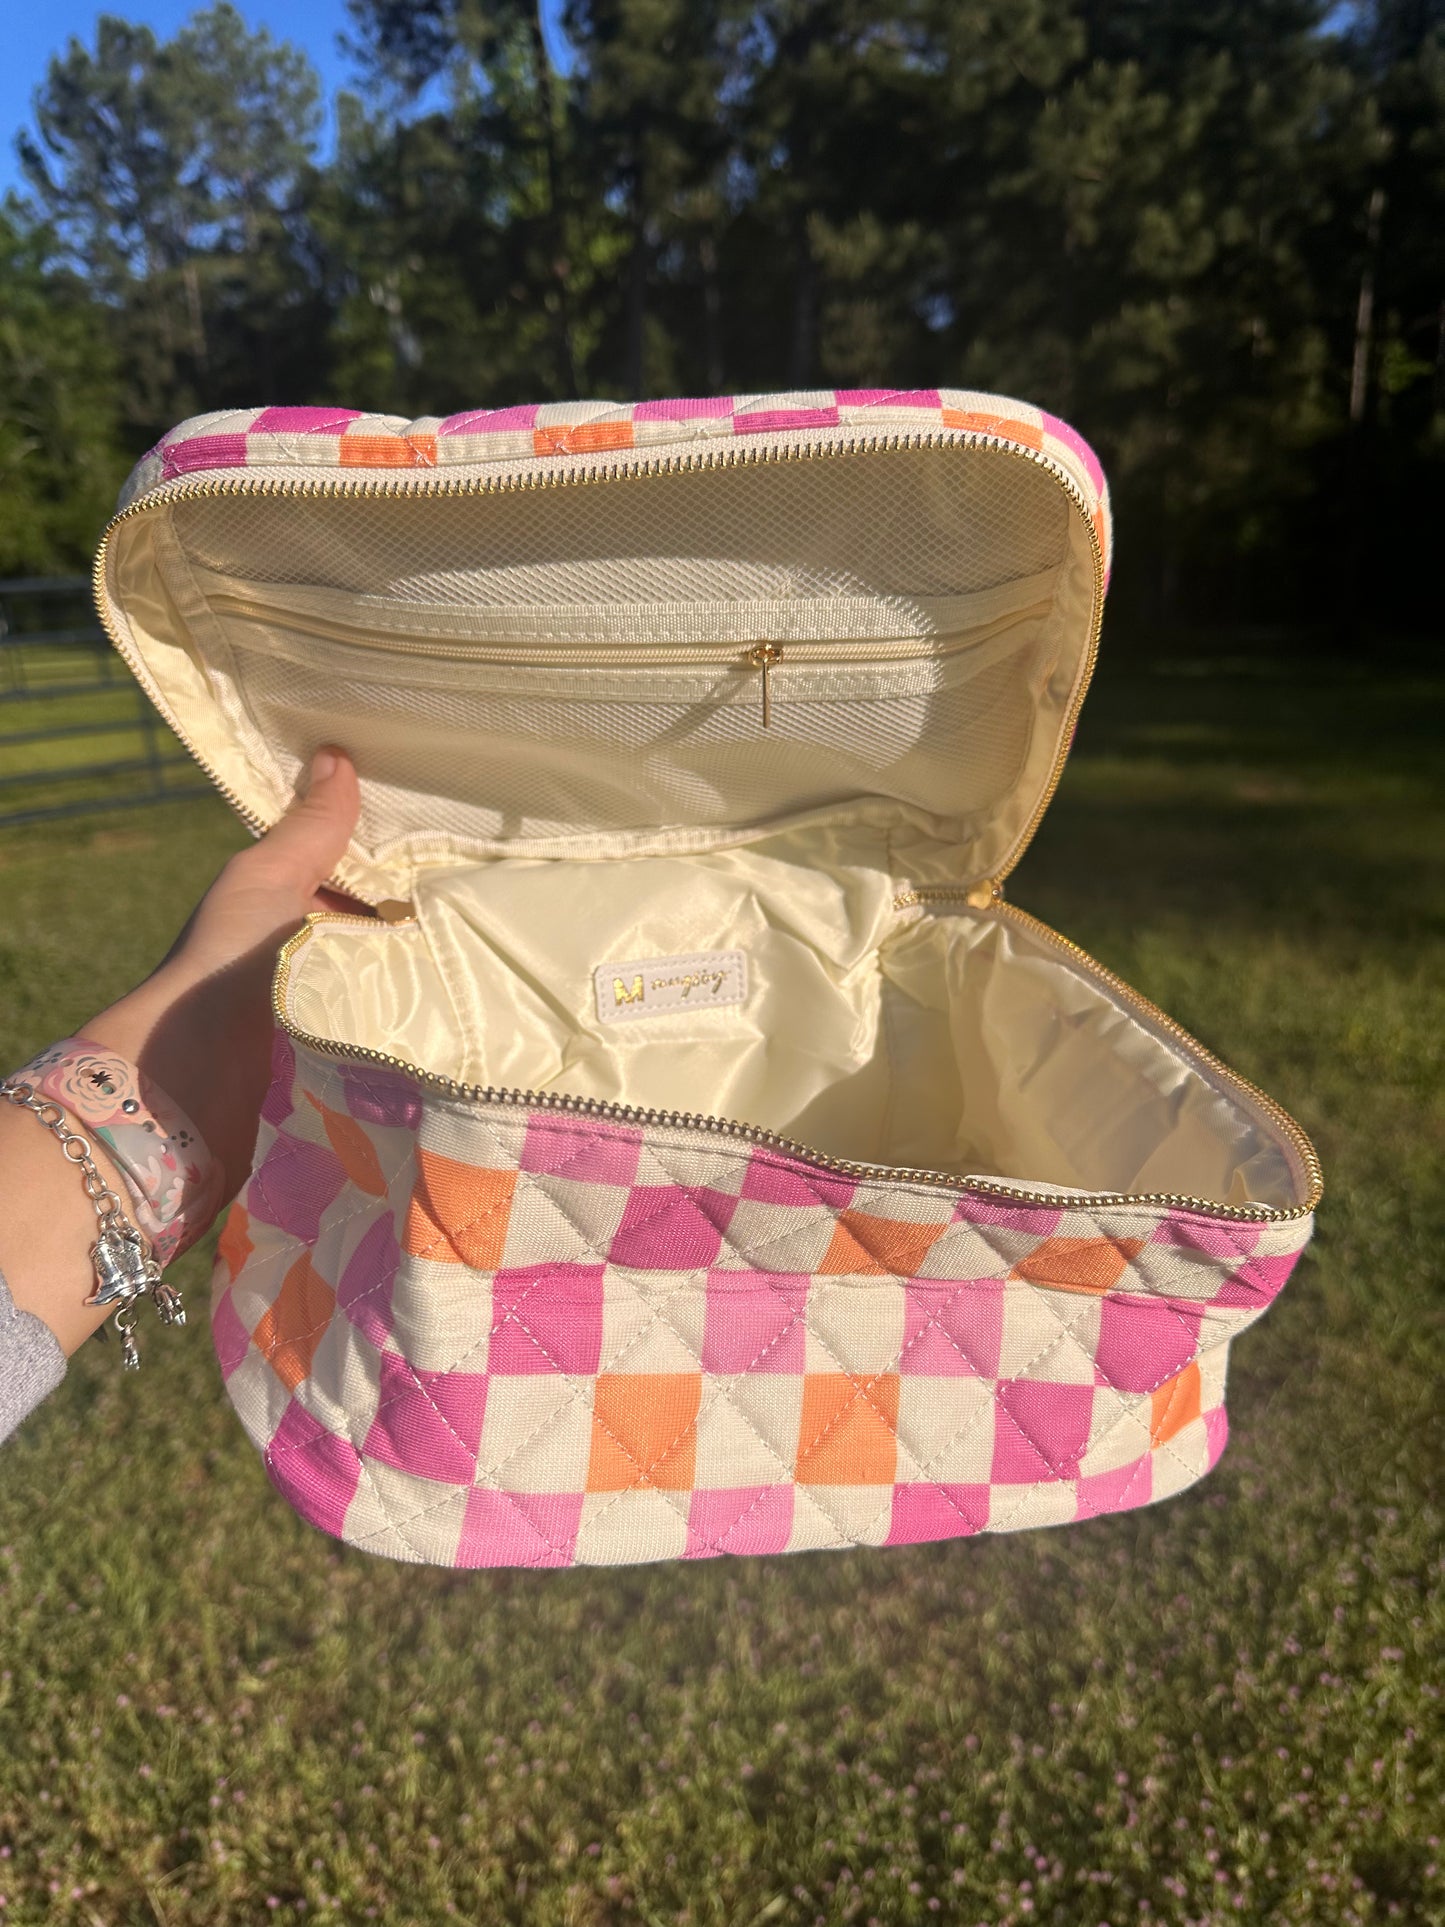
124,1261
174,1182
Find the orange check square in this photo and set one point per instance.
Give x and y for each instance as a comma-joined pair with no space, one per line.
644,1431
848,1434
235,1245
581,438
388,451
1173,1405
458,1212
295,1321
1079,1264
878,1247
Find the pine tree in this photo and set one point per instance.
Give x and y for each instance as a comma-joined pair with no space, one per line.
173,175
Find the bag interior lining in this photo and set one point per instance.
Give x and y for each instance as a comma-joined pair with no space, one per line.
563,763
953,1041
938,605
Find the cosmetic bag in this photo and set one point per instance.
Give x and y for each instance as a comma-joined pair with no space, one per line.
697,1154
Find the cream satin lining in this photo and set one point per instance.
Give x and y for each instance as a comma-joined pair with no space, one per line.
956,1041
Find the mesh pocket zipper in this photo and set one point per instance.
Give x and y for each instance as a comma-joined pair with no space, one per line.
768,657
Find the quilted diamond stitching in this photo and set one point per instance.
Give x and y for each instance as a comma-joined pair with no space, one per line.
1065,1333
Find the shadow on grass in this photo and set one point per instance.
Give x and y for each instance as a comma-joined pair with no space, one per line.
1306,804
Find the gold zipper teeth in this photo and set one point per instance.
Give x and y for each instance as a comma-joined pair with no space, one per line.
789,1147
433,482
1274,1114
699,656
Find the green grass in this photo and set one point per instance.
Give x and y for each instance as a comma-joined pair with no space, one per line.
1226,1708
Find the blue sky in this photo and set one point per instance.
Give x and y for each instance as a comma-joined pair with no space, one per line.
34,32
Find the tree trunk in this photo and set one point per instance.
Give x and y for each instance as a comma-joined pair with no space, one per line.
1360,490
712,315
557,264
805,304
194,312
1365,313
635,340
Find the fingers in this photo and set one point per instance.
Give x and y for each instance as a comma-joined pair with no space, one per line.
310,840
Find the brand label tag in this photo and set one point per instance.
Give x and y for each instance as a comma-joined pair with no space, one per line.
652,986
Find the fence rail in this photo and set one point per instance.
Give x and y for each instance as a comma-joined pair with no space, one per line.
61,683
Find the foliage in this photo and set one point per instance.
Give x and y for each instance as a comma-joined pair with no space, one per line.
1223,1708
1209,232
173,175
59,461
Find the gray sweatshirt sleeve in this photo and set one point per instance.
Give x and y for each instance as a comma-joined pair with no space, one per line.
31,1361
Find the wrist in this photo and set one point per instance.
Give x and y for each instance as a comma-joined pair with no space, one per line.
204,1039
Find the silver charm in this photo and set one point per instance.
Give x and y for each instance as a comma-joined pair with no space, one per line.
129,1350
122,1263
168,1304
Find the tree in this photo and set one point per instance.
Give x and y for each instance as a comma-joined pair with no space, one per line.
174,175
60,456
498,162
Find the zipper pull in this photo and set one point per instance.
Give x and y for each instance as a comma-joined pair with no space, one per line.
762,656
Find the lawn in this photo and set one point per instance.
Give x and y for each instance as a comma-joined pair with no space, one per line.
1225,1708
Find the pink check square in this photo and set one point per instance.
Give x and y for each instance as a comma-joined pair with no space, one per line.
755,1322
546,1318
672,1227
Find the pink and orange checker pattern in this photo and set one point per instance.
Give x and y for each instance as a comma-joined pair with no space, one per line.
478,1335
583,431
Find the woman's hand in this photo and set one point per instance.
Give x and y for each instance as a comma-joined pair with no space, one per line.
200,1027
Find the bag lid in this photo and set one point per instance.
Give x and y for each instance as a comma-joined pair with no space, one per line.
597,627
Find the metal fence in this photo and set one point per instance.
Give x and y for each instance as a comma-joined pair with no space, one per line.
77,733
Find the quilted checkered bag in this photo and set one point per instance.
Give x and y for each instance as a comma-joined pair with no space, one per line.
697,1154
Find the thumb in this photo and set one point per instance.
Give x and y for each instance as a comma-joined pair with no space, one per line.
305,846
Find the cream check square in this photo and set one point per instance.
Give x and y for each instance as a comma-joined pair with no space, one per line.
1213,1372
441,1320
632,1528
1180,1461
536,1434
345,1383
841,1515
945,1429
691,1167
558,1220
1012,1508
733,1449
855,1327
1049,1335
771,1405
964,1250
494,1141
403,1516
1118,1432
775,1237
651,1321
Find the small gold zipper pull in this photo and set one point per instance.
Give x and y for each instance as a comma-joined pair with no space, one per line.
762,656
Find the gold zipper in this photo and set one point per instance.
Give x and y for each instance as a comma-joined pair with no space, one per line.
990,890
978,894
432,482
762,656
1275,1114
790,1147
834,652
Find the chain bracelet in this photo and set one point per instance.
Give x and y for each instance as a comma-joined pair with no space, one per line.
125,1265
